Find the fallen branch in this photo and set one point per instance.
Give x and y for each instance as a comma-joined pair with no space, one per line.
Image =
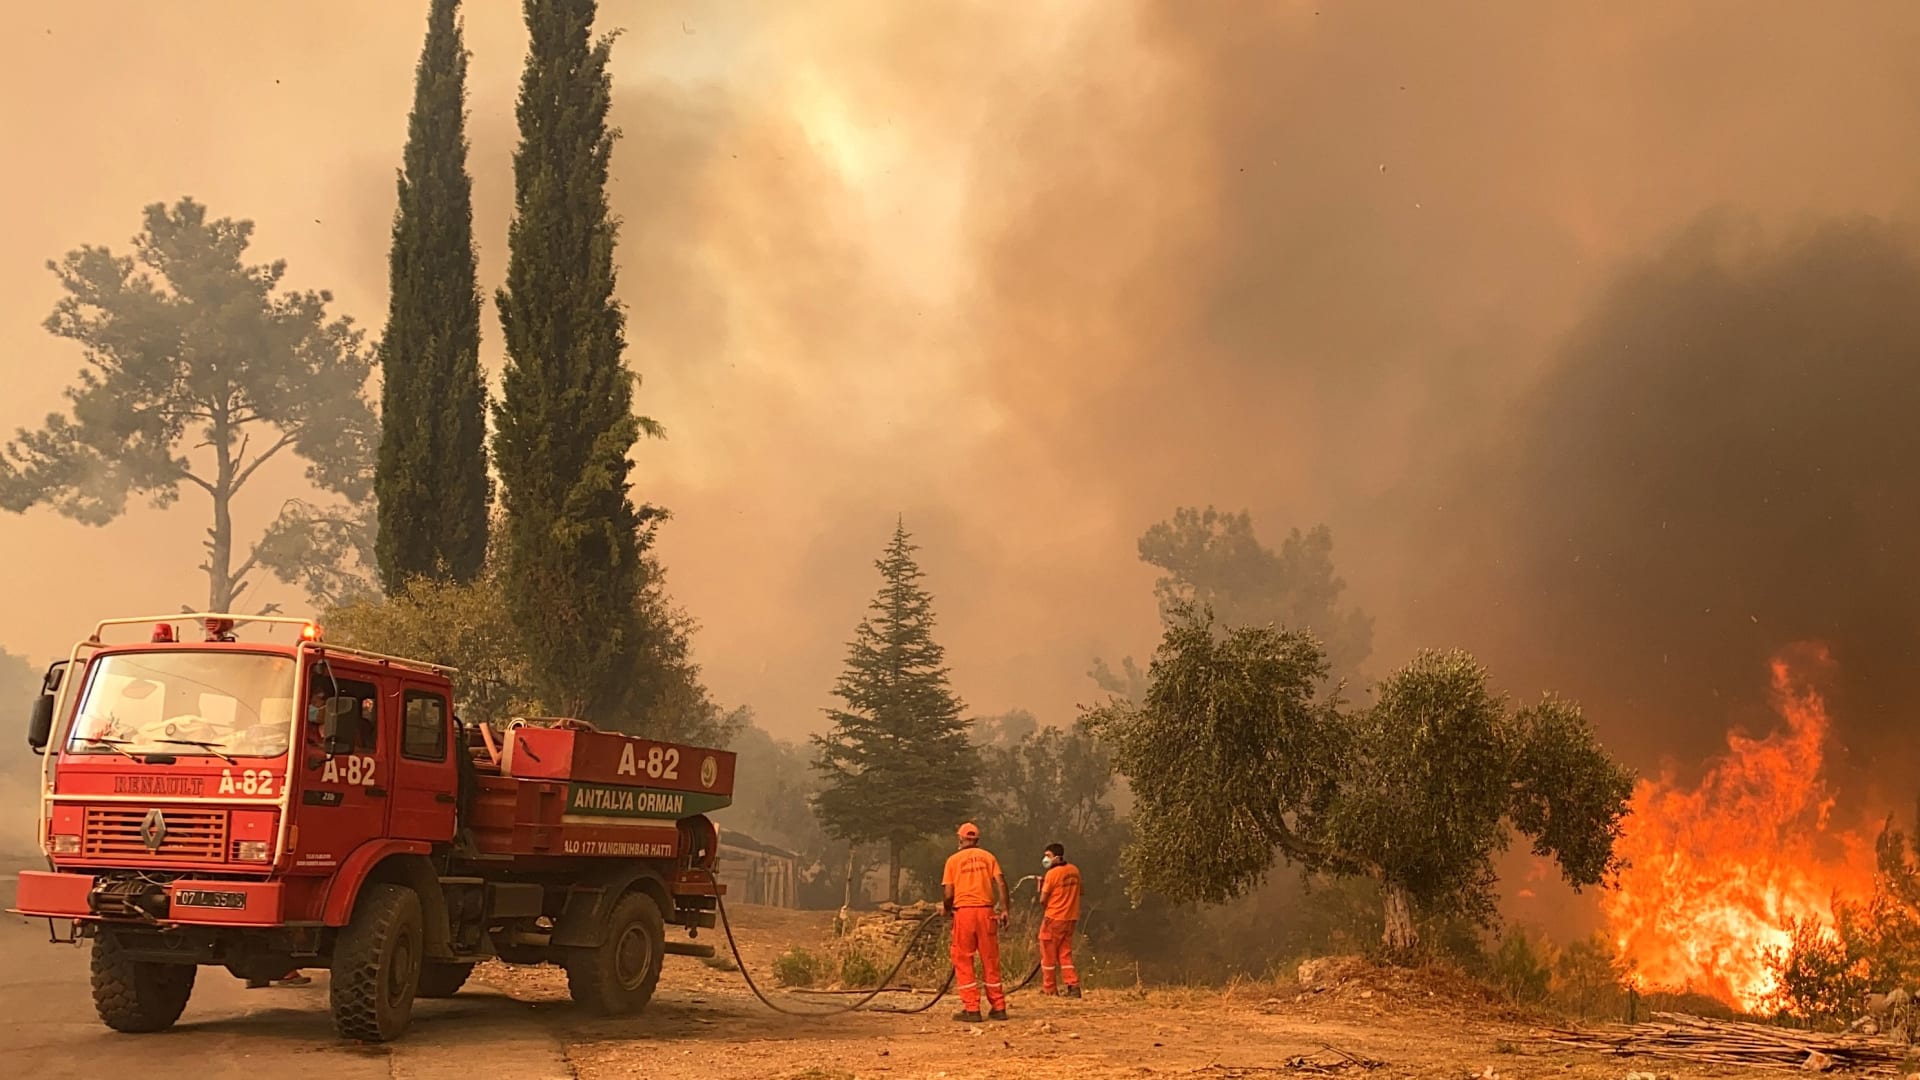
1728,1042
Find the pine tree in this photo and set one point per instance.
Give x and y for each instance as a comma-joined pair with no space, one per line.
431,480
898,763
565,421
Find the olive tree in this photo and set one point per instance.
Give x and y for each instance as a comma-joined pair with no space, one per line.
1241,753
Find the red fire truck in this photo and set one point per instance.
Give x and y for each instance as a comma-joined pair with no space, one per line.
269,805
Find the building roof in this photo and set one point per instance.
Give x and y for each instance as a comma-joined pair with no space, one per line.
738,841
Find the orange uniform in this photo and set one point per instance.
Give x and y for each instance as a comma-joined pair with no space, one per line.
1061,891
971,872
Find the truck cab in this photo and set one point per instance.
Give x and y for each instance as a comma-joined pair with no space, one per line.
268,804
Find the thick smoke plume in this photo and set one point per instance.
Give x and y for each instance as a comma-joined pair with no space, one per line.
1430,274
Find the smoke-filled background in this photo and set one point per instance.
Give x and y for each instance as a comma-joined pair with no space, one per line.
1590,329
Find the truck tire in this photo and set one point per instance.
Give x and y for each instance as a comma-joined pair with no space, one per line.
618,975
439,979
376,964
137,996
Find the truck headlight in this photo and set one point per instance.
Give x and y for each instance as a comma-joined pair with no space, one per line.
65,845
252,850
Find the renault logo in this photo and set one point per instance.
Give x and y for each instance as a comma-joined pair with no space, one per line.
153,831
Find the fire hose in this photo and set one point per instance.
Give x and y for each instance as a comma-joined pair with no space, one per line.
885,986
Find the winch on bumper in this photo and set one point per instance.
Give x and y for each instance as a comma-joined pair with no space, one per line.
148,898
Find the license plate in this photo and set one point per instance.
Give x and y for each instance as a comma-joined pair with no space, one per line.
203,898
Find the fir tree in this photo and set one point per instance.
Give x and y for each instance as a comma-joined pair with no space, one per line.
431,479
565,421
898,763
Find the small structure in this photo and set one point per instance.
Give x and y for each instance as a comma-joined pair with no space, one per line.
756,872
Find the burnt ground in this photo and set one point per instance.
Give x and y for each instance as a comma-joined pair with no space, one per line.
703,1023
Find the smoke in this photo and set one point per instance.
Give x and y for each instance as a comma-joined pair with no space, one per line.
1034,280
1718,465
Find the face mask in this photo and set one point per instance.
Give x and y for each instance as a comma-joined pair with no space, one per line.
1046,862
313,714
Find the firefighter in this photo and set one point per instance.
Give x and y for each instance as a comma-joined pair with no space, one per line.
1059,912
976,895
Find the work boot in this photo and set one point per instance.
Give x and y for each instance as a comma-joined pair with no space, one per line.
1071,991
997,1014
968,1016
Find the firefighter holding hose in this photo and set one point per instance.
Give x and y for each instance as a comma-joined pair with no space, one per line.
976,901
1060,911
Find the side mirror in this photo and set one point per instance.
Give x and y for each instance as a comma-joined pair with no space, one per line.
40,727
337,726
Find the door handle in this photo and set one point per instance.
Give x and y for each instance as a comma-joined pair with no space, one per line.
377,792
444,797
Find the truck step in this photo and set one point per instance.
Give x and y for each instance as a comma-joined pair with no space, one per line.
689,948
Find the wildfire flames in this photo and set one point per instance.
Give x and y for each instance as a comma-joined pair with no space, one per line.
1718,872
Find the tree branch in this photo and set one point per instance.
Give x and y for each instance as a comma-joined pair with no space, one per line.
241,477
1297,847
187,475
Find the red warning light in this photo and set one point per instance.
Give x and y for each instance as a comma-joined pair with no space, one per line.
163,632
310,632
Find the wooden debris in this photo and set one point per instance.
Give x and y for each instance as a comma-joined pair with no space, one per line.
1748,1045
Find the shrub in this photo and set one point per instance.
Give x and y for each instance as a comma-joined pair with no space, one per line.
857,970
797,967
1520,970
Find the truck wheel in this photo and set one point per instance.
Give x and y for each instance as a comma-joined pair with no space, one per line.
376,964
442,980
619,975
137,996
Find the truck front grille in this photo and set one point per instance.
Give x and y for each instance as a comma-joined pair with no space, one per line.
114,832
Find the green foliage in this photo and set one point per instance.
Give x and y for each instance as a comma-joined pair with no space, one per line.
465,626
1589,978
1816,977
431,477
565,422
1044,785
858,971
1257,757
461,625
1522,970
198,374
897,762
1417,791
1213,559
798,967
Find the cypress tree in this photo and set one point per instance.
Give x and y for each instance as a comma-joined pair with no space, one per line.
565,420
898,763
431,477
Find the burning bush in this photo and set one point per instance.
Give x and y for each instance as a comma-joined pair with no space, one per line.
1826,970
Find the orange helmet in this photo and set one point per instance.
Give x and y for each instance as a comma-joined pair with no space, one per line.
969,831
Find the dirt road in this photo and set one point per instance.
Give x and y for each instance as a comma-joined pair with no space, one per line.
517,1023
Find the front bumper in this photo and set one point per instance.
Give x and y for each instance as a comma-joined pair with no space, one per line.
183,902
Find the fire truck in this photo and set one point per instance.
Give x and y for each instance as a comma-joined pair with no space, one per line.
270,805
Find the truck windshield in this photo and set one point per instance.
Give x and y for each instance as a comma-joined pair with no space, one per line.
190,702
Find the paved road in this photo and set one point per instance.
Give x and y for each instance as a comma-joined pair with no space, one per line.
47,1024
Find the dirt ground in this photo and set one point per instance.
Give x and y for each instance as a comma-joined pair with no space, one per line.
703,1023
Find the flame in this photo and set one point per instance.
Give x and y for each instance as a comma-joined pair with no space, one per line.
1719,872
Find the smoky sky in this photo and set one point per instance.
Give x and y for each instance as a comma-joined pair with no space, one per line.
1539,307
1719,465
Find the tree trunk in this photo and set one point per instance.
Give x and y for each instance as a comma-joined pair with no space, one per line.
846,901
1400,937
219,567
893,871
